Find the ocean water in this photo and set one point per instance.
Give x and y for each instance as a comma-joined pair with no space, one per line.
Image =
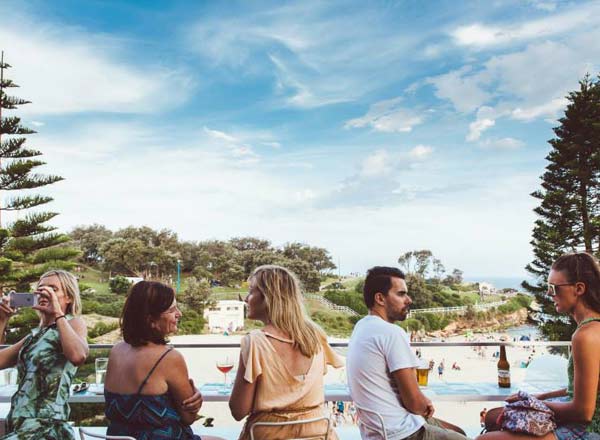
525,330
500,282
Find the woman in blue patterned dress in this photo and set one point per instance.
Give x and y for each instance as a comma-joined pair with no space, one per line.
148,393
46,361
574,285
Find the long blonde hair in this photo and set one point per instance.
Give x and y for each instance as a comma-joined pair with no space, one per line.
283,299
70,285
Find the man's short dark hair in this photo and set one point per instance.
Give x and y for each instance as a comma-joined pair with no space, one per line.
379,279
146,301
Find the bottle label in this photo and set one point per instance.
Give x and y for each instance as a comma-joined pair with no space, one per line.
504,378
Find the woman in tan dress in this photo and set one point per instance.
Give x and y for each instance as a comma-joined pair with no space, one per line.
281,367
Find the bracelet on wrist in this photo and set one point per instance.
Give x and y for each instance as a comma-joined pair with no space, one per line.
58,317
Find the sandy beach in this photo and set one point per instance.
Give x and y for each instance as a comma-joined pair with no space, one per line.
475,366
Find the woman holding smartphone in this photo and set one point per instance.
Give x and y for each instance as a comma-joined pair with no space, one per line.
46,360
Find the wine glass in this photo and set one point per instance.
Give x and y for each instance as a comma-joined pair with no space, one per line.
225,365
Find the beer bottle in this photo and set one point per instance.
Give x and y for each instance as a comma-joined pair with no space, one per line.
503,369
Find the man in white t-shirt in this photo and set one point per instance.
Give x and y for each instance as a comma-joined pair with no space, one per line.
381,366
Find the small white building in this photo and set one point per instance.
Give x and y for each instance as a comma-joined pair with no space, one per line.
134,280
227,315
486,289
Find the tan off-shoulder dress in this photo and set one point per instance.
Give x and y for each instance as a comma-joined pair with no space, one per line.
280,396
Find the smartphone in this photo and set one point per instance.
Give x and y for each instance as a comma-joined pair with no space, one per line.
23,299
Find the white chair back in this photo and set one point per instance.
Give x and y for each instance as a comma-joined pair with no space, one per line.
379,430
325,434
86,432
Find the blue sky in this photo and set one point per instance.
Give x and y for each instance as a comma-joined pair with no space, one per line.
369,128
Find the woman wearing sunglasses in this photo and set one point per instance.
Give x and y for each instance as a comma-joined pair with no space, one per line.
281,368
574,285
46,360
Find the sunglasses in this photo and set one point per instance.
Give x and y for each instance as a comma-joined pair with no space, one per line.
80,387
552,288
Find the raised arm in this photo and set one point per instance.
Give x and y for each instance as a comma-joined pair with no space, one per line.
73,338
73,333
9,355
586,362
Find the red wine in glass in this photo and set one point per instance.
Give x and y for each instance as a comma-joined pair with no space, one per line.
224,366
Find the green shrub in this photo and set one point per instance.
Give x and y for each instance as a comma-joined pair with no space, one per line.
119,285
411,324
110,307
191,322
21,324
334,324
350,299
83,287
523,300
101,328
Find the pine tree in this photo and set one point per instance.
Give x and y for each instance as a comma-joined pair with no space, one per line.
569,210
28,246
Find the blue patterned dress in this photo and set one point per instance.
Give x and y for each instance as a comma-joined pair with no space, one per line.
145,417
39,408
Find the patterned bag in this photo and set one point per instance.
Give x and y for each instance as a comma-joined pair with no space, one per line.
527,415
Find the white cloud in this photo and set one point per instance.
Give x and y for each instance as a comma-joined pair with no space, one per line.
243,144
272,144
420,152
477,127
125,169
387,116
480,35
476,34
550,110
548,6
506,143
464,89
220,135
299,92
305,46
66,70
525,84
485,120
377,164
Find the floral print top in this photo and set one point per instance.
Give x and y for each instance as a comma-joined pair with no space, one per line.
44,377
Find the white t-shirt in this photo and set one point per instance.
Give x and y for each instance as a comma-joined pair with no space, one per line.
376,349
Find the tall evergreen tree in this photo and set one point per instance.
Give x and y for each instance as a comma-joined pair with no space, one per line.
28,246
569,210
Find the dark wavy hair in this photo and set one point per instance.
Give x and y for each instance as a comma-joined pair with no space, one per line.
582,267
379,279
146,301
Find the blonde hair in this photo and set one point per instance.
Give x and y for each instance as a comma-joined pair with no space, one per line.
70,285
283,299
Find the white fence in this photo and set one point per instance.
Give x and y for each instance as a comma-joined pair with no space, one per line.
330,305
459,310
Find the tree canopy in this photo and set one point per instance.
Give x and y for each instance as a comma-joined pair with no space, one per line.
142,251
568,214
29,245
